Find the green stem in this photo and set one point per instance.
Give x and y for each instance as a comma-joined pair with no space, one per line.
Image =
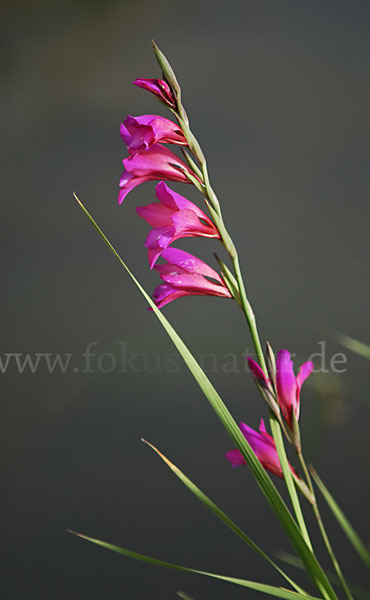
288,477
249,314
320,523
215,209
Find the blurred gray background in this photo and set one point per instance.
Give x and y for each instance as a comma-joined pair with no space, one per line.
278,94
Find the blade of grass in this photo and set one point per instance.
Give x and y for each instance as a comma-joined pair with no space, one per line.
279,443
253,585
269,490
294,561
221,515
352,344
351,534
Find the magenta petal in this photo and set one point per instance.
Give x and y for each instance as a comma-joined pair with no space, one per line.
159,238
190,263
264,447
257,372
262,427
127,183
286,385
165,195
141,140
172,218
155,214
132,123
183,276
168,269
155,163
186,215
156,242
235,458
139,133
187,222
196,284
159,87
152,85
125,135
166,131
304,372
153,255
125,178
159,161
254,438
175,201
164,293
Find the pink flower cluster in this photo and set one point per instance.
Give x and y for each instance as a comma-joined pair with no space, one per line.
288,389
174,216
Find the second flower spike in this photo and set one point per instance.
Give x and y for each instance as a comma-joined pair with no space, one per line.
288,386
173,218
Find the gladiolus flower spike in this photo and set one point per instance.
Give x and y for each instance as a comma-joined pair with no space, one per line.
186,275
173,218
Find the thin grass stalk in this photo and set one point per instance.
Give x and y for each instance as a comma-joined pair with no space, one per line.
323,532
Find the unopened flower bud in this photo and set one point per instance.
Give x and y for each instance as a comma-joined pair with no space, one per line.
167,70
271,364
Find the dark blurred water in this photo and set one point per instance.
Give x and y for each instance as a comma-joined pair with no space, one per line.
278,94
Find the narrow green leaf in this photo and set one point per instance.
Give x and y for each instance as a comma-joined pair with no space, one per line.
278,439
294,561
253,585
269,490
352,344
221,515
351,534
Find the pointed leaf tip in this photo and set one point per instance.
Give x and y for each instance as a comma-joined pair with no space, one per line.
254,585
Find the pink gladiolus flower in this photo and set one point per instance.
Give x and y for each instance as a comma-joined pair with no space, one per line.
289,386
160,88
263,446
175,217
186,275
139,133
155,163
